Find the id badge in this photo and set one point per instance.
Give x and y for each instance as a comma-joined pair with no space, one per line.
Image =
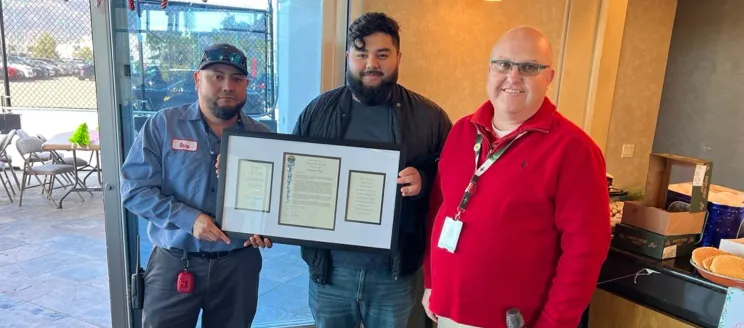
450,234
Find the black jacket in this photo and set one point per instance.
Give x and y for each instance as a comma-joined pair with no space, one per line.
422,127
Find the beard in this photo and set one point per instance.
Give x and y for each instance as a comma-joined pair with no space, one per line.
372,95
225,112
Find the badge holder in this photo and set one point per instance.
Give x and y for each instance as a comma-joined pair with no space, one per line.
452,228
185,283
450,234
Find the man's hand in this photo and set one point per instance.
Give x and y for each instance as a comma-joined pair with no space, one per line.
205,229
425,303
256,241
410,177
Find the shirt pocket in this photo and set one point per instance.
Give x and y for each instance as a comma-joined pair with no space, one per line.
187,172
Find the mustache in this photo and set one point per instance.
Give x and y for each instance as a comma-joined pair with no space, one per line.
372,72
372,95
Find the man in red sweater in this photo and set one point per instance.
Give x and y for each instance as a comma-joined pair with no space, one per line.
521,209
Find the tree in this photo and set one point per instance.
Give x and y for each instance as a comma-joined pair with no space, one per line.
173,50
45,46
81,137
84,53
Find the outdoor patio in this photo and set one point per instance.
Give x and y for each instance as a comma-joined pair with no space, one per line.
53,270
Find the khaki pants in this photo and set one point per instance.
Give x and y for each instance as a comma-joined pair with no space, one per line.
443,322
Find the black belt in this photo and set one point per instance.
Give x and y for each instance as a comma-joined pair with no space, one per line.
204,255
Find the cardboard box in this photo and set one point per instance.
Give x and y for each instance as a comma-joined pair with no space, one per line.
651,244
650,213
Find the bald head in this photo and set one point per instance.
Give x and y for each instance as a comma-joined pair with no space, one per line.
519,75
526,42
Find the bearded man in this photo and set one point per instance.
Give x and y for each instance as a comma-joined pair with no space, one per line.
168,178
349,288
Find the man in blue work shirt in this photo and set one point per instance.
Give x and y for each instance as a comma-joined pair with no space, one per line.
168,178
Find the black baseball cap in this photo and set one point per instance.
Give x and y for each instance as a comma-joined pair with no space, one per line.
223,53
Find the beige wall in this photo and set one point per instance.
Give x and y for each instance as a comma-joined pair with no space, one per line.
610,58
446,44
640,78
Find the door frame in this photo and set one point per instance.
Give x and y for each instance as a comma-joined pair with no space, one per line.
111,159
121,227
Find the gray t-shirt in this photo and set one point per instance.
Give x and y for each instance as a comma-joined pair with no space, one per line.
368,123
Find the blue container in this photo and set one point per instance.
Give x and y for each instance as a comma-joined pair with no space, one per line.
723,221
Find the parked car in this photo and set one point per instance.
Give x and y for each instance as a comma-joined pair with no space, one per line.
24,71
12,72
87,72
38,70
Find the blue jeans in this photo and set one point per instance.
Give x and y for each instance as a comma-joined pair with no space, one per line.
352,296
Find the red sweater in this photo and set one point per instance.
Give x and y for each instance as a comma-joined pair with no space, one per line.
536,230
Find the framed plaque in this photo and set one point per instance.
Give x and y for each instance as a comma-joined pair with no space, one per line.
325,193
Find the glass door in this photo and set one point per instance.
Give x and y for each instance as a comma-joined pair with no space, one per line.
145,61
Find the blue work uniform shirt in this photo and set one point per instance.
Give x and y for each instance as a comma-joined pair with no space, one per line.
169,178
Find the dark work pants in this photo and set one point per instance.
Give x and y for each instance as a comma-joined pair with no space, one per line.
226,289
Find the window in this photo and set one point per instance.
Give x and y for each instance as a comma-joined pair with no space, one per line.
295,51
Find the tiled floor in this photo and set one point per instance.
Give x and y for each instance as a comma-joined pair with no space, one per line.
53,270
53,263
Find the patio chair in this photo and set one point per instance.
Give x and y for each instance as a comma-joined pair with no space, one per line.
6,161
42,156
31,146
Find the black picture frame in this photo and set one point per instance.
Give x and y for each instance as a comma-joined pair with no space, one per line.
348,191
224,147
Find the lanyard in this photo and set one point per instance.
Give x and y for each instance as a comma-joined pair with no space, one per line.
470,189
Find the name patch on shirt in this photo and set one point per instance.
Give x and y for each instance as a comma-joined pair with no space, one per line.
187,145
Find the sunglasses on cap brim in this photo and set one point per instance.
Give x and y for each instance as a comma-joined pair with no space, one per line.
220,55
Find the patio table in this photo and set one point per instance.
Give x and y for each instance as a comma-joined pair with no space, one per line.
60,142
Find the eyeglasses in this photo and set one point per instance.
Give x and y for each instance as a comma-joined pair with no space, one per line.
220,55
527,69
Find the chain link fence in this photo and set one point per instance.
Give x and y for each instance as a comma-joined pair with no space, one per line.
49,53
166,46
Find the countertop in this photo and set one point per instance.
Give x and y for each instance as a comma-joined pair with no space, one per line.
671,286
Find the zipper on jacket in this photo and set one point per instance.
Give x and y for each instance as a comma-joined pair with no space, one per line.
501,141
